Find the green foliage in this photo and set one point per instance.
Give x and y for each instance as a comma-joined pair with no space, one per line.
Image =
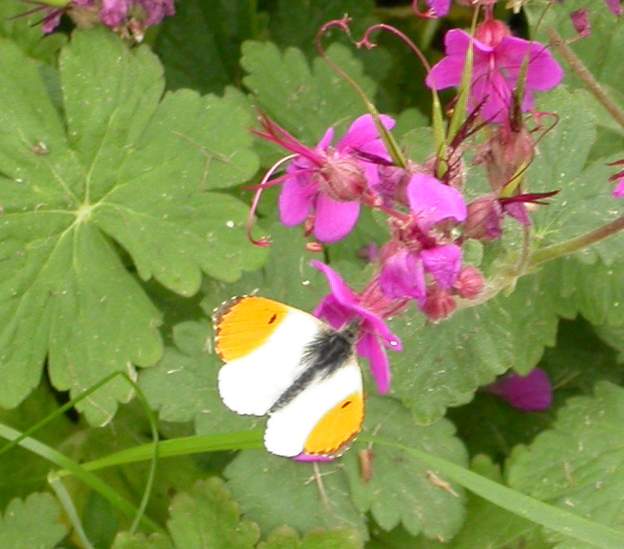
287,538
578,464
444,364
274,491
400,488
128,168
25,32
33,522
199,47
304,99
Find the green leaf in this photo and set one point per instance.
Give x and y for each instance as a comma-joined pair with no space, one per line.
295,23
578,464
304,99
208,517
287,538
27,33
274,491
200,46
191,367
490,526
600,51
400,488
33,522
443,364
122,168
584,201
125,540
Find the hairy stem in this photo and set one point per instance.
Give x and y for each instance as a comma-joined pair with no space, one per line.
585,75
576,244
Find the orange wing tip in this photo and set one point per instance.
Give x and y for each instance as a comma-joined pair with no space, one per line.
338,428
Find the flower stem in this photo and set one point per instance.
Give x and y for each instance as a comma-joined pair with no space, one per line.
586,76
576,244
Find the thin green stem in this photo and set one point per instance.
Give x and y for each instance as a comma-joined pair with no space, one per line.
182,446
586,76
576,244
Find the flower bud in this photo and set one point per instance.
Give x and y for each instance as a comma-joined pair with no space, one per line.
343,178
439,304
491,32
508,151
469,283
580,21
484,221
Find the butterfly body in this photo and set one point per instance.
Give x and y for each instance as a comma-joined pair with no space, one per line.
291,366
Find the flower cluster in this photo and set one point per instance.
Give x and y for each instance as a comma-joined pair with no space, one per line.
429,219
128,17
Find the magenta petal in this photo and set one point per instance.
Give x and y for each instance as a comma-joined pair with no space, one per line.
306,458
403,275
444,264
334,220
618,191
518,211
432,201
531,393
340,291
494,91
446,73
456,42
326,140
296,199
333,312
615,7
362,131
370,348
440,8
543,72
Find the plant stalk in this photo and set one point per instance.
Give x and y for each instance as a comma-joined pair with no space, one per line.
585,75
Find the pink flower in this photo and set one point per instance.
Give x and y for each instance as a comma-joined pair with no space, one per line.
329,181
437,8
615,7
531,393
343,306
618,179
417,250
498,57
114,12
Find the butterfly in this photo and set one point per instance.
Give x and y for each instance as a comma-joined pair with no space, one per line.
287,364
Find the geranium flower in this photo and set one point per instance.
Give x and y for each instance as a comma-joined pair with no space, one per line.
418,250
329,181
341,307
530,393
498,58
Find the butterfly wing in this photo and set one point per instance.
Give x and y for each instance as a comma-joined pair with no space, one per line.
322,418
262,343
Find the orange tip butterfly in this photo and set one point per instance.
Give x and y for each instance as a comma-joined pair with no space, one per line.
289,365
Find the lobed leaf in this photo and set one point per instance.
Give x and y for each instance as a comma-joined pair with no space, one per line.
117,167
304,99
579,463
398,489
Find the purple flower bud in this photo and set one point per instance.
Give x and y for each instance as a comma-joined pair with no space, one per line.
531,393
484,220
469,283
580,21
618,191
439,305
615,7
